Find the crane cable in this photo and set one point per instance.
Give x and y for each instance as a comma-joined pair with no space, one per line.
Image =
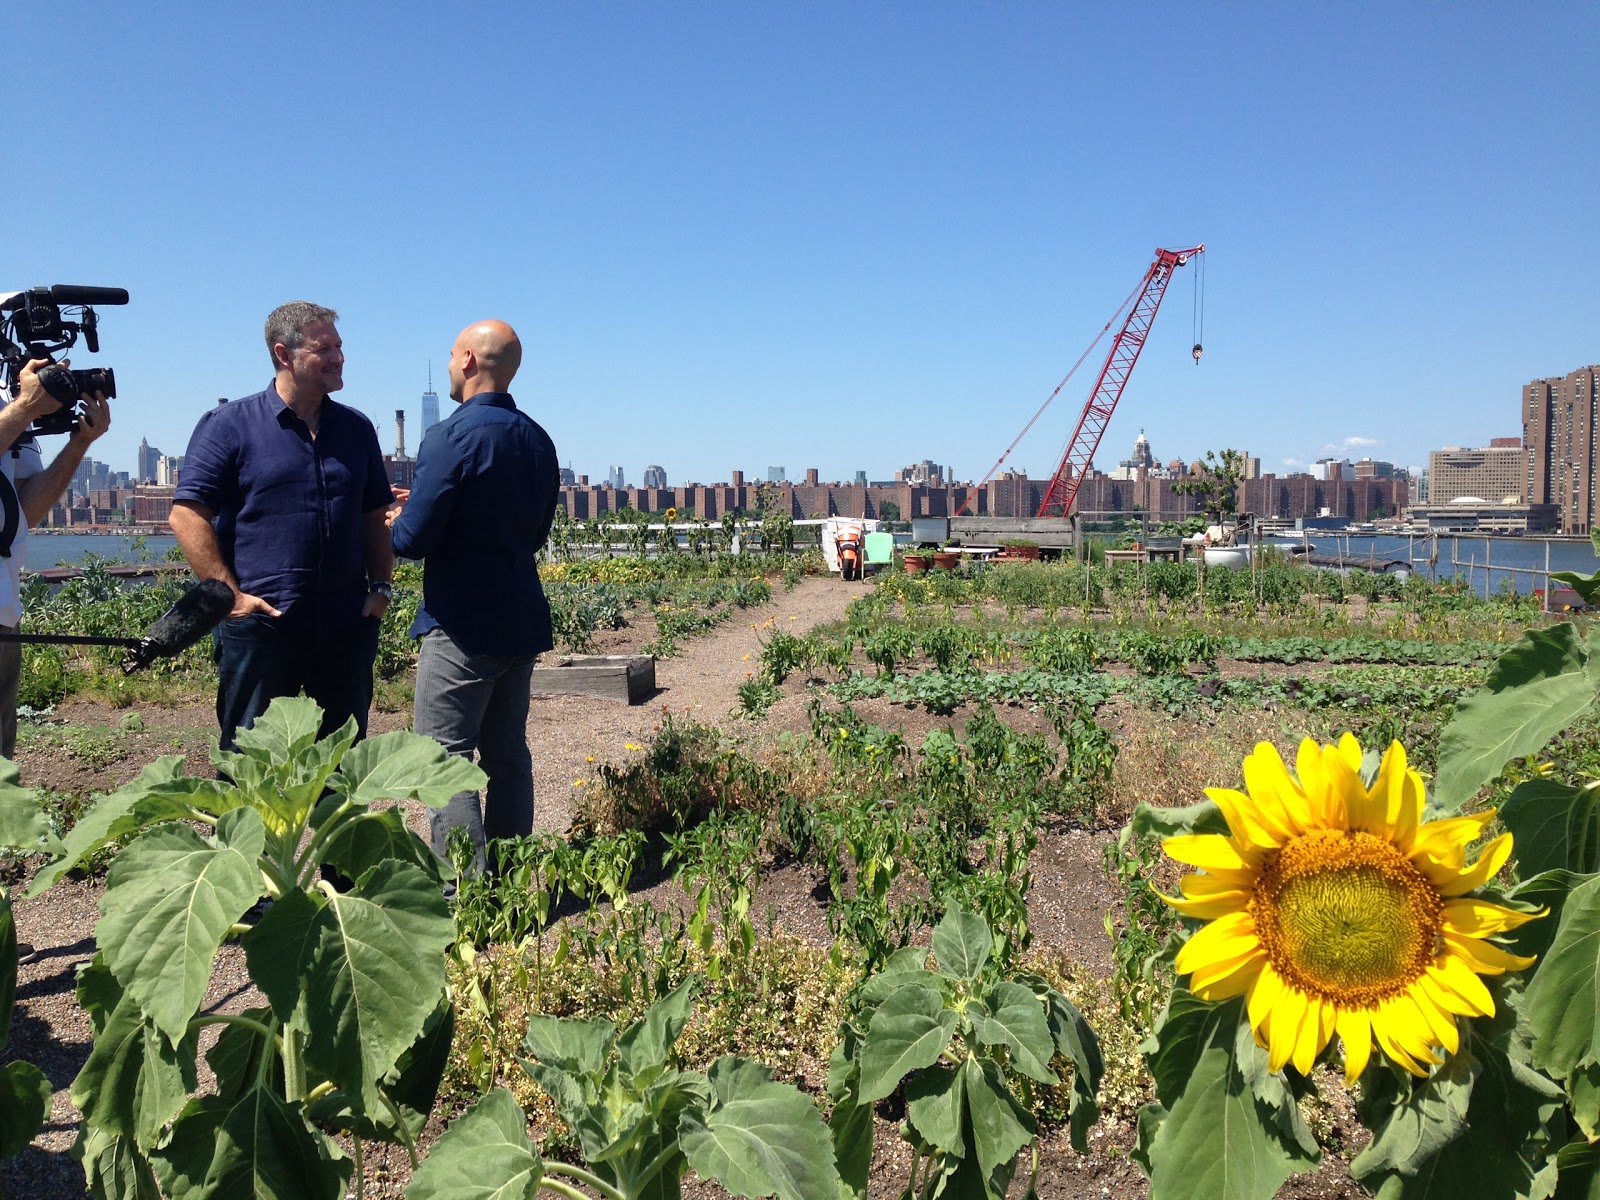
1090,350
1199,306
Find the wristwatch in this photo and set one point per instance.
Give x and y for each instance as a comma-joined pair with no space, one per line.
381,587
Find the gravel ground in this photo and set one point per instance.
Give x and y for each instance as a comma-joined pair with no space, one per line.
570,736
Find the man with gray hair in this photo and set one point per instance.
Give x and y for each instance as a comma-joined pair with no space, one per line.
283,496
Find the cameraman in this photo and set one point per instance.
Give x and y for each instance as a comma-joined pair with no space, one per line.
28,489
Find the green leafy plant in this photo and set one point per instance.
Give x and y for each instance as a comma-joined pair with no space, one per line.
640,1121
969,1046
355,1029
24,1089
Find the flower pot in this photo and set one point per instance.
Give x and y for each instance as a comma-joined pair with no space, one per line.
1022,553
946,560
916,563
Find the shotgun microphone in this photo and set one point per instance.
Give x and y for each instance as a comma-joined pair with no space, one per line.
197,612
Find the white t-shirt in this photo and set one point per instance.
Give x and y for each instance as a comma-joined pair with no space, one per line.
22,461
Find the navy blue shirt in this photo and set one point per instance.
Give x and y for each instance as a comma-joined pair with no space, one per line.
481,505
290,508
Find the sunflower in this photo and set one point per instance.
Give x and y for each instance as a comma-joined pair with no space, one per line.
1332,908
671,514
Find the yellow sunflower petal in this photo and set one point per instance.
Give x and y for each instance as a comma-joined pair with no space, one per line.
1397,790
1254,820
1315,1036
1355,1031
1223,981
1445,840
1479,918
1485,957
1275,799
1208,908
1373,809
1350,752
1406,815
1403,1035
1283,1034
1265,991
1453,976
1313,775
1346,793
1437,1019
1210,852
1489,862
1223,940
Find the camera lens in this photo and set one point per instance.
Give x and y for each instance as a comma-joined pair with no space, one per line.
59,382
64,385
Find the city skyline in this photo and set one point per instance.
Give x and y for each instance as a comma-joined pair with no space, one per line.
831,231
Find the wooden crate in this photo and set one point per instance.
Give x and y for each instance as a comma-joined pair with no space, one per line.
630,678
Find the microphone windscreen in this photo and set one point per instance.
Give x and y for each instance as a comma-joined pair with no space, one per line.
72,293
196,614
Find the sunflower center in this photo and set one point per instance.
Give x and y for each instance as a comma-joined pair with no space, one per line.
1344,915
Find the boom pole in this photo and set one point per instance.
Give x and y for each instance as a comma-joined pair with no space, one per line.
1075,463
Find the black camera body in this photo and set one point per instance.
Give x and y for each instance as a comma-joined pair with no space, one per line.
33,325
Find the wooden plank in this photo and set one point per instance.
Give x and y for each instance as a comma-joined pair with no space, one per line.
630,678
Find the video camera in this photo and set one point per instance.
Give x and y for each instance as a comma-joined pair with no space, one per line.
32,325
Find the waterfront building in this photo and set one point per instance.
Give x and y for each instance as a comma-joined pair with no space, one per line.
1559,432
1473,514
1495,472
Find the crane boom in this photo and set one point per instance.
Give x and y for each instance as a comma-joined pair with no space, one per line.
1063,489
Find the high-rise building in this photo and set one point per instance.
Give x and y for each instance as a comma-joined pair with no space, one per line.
777,475
430,404
615,478
655,477
1491,473
145,468
1559,432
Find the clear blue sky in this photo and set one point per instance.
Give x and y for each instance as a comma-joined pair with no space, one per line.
841,235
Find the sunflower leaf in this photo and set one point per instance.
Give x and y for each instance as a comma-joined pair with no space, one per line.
1555,826
24,1104
1215,1139
1564,997
1536,689
1201,817
759,1138
909,1031
484,1153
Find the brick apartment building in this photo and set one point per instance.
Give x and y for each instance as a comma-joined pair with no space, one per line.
1558,430
1010,495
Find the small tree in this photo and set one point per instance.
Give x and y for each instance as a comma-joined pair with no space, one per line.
888,510
1216,485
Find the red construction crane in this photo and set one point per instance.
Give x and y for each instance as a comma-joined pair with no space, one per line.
1107,391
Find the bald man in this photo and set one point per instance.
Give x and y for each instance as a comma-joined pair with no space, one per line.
477,515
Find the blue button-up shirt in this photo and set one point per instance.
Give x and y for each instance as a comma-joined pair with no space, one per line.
482,501
290,508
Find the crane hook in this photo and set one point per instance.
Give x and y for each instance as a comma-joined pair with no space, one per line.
1197,352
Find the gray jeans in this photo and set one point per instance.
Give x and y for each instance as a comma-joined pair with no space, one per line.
478,703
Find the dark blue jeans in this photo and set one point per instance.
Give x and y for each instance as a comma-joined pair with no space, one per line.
262,658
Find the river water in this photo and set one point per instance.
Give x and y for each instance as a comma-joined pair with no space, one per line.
1482,561
71,549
